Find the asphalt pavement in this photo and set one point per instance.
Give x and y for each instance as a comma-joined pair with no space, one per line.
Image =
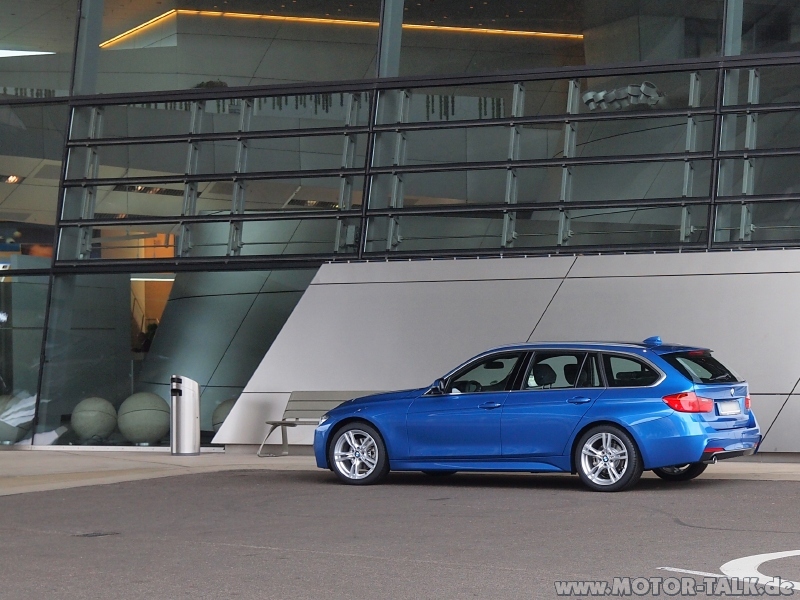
278,528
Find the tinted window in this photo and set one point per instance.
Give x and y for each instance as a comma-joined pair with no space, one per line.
623,371
558,370
492,374
700,367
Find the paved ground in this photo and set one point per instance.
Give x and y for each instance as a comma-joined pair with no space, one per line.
282,529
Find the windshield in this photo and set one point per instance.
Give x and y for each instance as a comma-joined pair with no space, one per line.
700,367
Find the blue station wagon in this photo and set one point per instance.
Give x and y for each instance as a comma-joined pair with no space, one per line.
606,411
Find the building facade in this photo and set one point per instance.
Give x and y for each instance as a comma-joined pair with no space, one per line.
272,196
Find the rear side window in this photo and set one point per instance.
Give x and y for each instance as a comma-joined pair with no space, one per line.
623,371
700,367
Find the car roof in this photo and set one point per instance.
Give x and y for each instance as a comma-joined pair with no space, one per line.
657,348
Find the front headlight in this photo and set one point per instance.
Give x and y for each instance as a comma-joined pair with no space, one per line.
322,419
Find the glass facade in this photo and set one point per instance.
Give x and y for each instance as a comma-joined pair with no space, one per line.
171,176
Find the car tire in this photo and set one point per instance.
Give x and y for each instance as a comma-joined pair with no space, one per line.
681,472
607,459
357,454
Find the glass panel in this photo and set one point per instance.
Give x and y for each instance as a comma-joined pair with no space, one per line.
287,236
248,44
306,153
140,329
642,136
771,130
302,193
769,175
22,308
769,85
410,233
758,222
443,38
448,103
640,180
43,35
132,120
445,146
119,242
31,150
300,236
441,188
135,160
628,226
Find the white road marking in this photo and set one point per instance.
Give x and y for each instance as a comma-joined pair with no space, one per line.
747,567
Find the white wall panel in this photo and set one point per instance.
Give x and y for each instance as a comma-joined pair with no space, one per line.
747,319
784,436
392,325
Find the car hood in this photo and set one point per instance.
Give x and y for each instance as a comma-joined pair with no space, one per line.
385,397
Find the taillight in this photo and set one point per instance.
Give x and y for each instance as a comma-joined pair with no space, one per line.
747,402
689,402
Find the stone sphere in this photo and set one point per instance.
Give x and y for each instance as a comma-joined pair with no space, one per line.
221,413
10,433
93,418
144,418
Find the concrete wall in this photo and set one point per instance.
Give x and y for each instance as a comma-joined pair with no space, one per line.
402,324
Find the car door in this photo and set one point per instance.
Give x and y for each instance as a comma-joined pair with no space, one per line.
464,422
557,389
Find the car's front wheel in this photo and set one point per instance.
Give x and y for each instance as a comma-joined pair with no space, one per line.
607,459
358,455
680,472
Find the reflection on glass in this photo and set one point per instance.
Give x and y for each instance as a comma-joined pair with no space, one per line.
648,91
22,308
199,46
43,36
408,233
115,340
31,149
516,35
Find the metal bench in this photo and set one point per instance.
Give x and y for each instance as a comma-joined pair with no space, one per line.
305,408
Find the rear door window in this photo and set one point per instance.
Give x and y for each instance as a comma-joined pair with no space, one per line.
626,371
700,367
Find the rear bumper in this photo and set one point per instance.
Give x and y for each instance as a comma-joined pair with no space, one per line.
683,438
710,457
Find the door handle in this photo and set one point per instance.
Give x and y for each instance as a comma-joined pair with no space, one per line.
579,400
490,405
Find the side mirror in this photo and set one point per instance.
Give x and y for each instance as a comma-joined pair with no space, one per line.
438,387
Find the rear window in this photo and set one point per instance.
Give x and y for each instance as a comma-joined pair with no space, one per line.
700,367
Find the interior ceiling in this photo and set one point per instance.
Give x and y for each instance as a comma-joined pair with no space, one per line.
44,25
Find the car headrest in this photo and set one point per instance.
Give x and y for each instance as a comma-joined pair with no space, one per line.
571,373
544,374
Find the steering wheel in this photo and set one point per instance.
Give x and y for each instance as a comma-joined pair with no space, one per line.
468,386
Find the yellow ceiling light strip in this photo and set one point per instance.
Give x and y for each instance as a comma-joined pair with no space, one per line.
207,13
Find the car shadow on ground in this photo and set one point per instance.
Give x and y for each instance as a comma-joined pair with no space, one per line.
515,480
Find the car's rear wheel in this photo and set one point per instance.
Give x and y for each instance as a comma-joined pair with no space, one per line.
680,472
607,459
358,455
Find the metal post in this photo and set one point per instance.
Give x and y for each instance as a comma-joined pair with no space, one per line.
184,416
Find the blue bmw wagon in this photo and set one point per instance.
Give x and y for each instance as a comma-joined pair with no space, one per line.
606,411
